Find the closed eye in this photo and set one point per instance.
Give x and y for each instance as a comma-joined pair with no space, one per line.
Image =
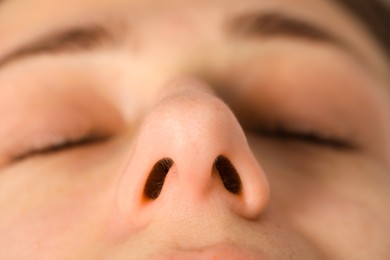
89,139
308,137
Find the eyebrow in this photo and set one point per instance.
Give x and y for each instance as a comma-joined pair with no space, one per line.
99,35
69,40
277,24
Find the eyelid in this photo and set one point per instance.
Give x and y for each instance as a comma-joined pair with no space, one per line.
39,116
314,137
92,137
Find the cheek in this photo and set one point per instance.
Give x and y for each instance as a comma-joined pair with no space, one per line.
337,201
338,208
54,230
342,225
44,218
39,233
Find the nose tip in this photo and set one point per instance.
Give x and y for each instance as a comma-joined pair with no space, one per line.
189,150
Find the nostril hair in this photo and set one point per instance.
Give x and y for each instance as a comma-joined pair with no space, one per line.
230,178
155,181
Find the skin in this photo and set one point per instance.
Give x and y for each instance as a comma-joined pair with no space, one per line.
177,85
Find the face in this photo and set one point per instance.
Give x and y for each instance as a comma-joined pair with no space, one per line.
192,129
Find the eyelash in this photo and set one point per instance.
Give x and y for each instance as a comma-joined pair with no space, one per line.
309,137
279,133
88,139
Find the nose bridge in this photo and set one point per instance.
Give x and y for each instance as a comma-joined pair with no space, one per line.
188,137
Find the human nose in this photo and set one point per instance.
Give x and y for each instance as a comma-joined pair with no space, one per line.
191,151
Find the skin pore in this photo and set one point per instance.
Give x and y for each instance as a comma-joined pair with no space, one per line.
94,93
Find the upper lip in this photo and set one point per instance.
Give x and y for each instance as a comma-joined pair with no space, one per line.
221,251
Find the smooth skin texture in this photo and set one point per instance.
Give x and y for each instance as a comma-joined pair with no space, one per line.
94,93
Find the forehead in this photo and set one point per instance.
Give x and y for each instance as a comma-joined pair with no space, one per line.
33,16
46,9
22,20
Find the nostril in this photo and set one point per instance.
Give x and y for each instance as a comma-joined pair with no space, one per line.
155,181
230,178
